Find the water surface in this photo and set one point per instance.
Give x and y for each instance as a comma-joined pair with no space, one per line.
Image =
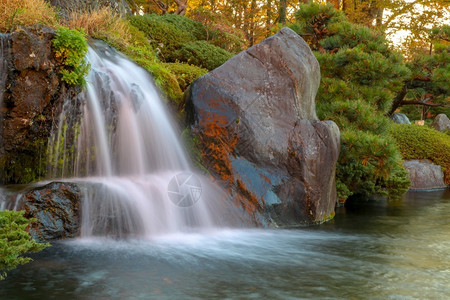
370,251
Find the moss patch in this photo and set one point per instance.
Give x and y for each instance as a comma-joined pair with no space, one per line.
421,142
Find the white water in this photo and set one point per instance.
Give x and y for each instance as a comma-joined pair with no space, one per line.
126,149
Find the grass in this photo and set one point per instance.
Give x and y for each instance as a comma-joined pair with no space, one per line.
14,13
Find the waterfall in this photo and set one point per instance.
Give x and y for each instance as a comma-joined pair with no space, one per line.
124,145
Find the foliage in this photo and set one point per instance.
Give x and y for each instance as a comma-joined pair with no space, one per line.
164,37
360,76
421,142
102,24
195,29
203,54
219,31
15,241
186,74
71,47
429,83
16,13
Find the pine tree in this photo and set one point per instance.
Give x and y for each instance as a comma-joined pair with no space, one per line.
360,76
15,241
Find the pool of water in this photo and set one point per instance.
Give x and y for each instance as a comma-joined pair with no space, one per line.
375,250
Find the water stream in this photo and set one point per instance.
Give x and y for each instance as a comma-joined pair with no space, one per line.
376,250
124,143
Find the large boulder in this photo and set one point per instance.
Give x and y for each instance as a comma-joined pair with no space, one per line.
56,207
441,122
31,99
259,135
424,175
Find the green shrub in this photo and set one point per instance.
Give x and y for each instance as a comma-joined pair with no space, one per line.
164,37
360,76
15,241
195,29
203,54
71,47
421,142
356,115
185,73
369,165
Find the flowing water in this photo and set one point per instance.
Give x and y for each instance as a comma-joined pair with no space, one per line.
123,142
372,251
123,150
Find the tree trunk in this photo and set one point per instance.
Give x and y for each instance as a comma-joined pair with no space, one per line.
282,12
252,23
269,17
380,13
181,7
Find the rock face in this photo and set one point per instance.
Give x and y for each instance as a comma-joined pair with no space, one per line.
259,134
424,175
441,122
56,207
400,119
32,96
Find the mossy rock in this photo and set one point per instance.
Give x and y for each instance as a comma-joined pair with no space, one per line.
420,142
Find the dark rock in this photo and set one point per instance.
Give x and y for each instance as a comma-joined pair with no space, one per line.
259,134
424,175
56,208
441,122
32,98
400,119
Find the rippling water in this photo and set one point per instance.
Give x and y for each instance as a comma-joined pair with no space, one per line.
371,251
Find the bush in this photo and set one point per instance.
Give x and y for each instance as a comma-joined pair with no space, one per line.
219,31
164,37
369,165
203,54
21,13
360,76
421,142
71,47
195,29
15,241
185,73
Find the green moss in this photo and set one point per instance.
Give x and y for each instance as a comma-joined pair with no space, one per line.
71,47
192,143
26,166
185,73
421,142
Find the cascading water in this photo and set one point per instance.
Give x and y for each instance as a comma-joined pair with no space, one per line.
125,148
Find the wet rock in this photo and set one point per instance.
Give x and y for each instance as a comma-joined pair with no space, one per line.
259,134
400,119
56,208
32,98
425,175
441,122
